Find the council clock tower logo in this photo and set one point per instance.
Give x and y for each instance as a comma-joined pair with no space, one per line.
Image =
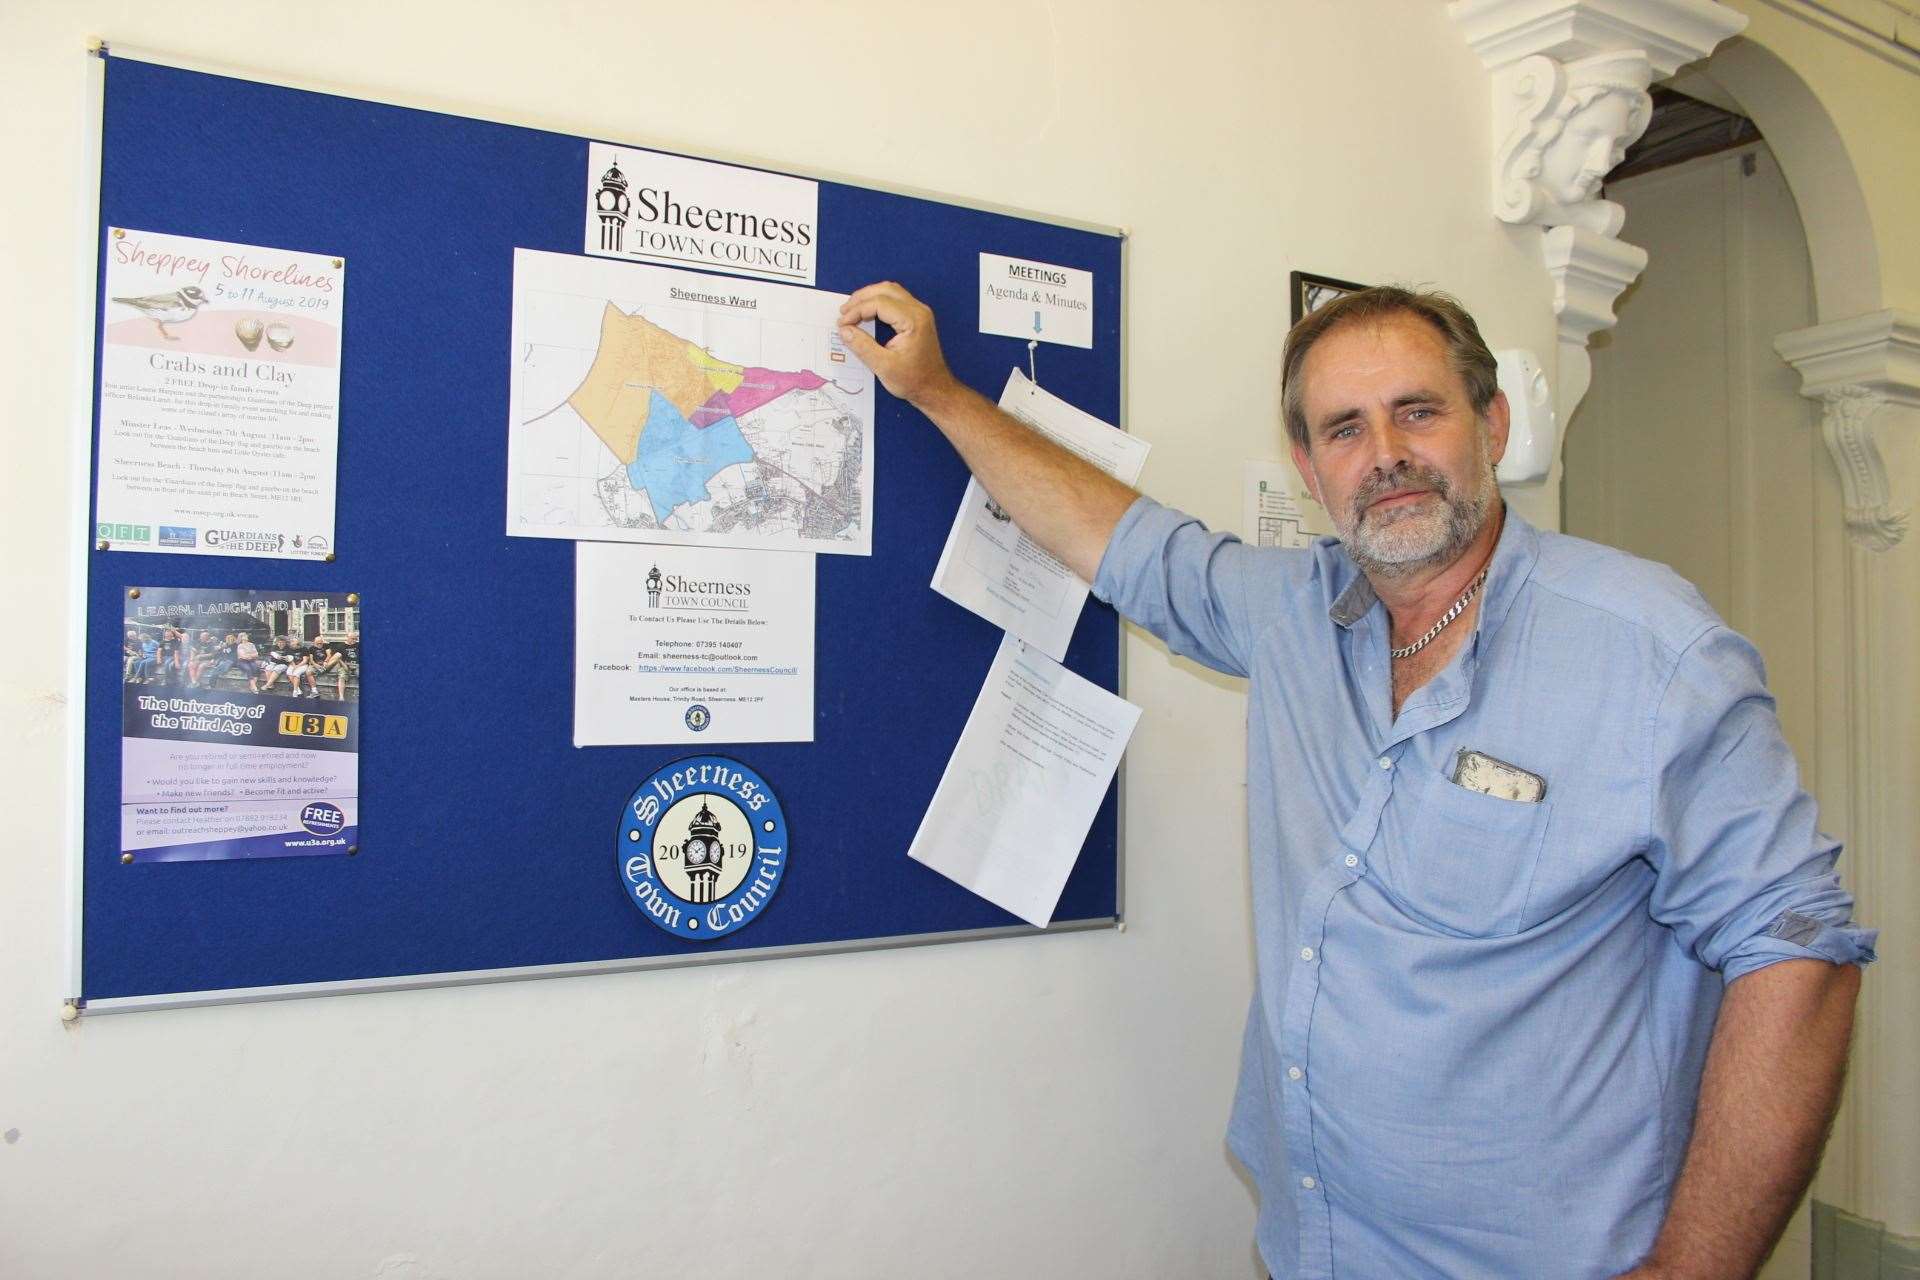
702,847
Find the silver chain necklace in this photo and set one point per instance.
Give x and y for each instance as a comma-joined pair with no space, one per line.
1466,598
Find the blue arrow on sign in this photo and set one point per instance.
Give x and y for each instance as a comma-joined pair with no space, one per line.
1036,322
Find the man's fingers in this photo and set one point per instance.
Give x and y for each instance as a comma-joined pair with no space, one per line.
855,312
885,301
860,344
909,362
878,307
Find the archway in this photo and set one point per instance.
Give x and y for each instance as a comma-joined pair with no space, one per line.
1814,159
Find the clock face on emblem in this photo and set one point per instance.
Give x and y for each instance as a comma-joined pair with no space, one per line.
703,852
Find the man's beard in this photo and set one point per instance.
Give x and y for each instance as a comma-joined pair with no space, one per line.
1400,541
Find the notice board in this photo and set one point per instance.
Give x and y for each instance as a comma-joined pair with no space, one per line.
486,840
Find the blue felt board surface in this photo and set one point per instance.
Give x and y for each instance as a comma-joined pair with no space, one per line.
487,838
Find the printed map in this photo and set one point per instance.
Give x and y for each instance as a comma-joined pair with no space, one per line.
657,405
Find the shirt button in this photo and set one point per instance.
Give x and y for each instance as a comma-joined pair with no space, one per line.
1306,953
1386,762
1352,860
1308,1182
1294,1073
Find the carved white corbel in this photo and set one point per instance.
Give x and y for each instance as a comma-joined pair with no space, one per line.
1589,271
1847,427
1855,368
1567,125
1671,32
1569,92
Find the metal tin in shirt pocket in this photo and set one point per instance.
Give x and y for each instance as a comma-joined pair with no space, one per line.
1471,868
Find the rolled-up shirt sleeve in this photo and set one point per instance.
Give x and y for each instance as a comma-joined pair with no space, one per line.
1744,876
1169,573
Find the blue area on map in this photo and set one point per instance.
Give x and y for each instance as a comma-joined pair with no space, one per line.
675,459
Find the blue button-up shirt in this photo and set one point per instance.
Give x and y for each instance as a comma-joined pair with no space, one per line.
1479,1024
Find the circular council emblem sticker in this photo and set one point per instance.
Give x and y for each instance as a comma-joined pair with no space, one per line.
698,717
702,847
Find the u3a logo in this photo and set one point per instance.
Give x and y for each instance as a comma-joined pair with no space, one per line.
295,724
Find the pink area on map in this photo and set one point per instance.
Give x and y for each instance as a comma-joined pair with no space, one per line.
758,386
712,411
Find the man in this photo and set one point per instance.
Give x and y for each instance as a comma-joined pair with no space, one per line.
1519,811
278,660
343,660
146,670
167,655
246,658
219,660
303,661
204,650
185,657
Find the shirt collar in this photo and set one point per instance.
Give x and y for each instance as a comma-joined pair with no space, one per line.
1352,604
1513,559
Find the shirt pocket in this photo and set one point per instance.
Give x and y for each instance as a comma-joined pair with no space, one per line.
1472,857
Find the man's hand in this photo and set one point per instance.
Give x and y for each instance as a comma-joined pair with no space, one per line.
1060,500
910,364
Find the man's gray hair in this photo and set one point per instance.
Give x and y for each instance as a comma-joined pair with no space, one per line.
1467,352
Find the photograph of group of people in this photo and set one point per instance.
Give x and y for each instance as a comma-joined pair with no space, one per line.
185,657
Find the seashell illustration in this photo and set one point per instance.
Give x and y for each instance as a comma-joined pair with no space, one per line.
248,330
279,336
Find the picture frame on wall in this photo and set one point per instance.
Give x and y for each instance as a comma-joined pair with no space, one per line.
1310,292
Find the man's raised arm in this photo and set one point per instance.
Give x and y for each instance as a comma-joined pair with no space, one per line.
1061,501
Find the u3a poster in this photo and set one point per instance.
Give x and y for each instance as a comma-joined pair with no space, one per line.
240,725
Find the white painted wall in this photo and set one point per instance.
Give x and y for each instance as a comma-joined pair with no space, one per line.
1032,1107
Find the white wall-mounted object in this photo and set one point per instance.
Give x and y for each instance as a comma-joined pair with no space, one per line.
1534,436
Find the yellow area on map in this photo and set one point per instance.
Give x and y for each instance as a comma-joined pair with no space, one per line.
724,376
636,358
